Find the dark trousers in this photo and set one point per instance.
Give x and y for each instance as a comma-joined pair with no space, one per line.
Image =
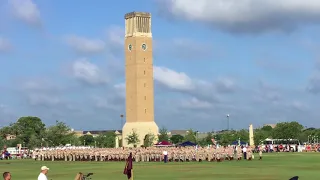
245,155
165,158
129,173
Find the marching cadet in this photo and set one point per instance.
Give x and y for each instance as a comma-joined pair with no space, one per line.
249,153
218,155
239,152
260,152
144,155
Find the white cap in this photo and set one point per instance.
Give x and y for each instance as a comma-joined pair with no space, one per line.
44,168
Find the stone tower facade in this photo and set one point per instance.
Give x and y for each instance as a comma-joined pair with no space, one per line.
139,77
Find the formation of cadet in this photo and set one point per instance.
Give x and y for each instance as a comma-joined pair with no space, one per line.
150,154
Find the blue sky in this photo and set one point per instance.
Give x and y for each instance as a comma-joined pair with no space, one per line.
255,60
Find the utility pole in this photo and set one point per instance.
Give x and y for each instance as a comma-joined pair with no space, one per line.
228,116
121,119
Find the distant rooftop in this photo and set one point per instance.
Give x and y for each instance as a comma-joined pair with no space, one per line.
100,131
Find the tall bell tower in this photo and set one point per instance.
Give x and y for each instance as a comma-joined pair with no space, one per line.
139,77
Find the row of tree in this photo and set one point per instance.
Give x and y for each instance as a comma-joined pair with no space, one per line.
32,132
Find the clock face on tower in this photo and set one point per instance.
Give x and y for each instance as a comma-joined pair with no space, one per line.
129,47
144,46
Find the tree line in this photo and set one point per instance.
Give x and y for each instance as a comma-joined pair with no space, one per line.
32,132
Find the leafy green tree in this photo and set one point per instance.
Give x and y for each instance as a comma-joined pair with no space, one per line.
13,142
177,138
149,140
260,135
163,135
74,140
2,142
243,134
227,137
5,131
27,127
287,130
191,136
87,140
107,139
133,138
267,128
59,134
207,140
310,134
33,142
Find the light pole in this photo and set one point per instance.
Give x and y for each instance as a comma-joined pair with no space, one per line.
309,139
228,116
121,118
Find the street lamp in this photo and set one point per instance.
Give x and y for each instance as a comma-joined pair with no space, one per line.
121,118
228,116
84,142
309,139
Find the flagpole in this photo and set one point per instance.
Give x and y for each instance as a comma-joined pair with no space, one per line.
131,174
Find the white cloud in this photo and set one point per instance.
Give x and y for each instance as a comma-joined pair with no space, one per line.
88,73
5,45
120,89
39,85
37,99
26,10
225,85
247,16
267,93
115,35
102,102
173,79
195,103
187,49
85,45
202,89
297,105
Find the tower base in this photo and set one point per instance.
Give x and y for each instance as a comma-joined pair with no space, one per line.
141,128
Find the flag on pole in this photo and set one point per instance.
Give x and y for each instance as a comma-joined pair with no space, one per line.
128,169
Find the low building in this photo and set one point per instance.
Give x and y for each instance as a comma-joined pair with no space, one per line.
10,137
178,132
96,133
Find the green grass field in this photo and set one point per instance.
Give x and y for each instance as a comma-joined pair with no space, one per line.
276,166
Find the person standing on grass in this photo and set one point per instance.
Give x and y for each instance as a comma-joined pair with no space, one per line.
6,176
244,150
43,173
260,152
128,168
165,154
